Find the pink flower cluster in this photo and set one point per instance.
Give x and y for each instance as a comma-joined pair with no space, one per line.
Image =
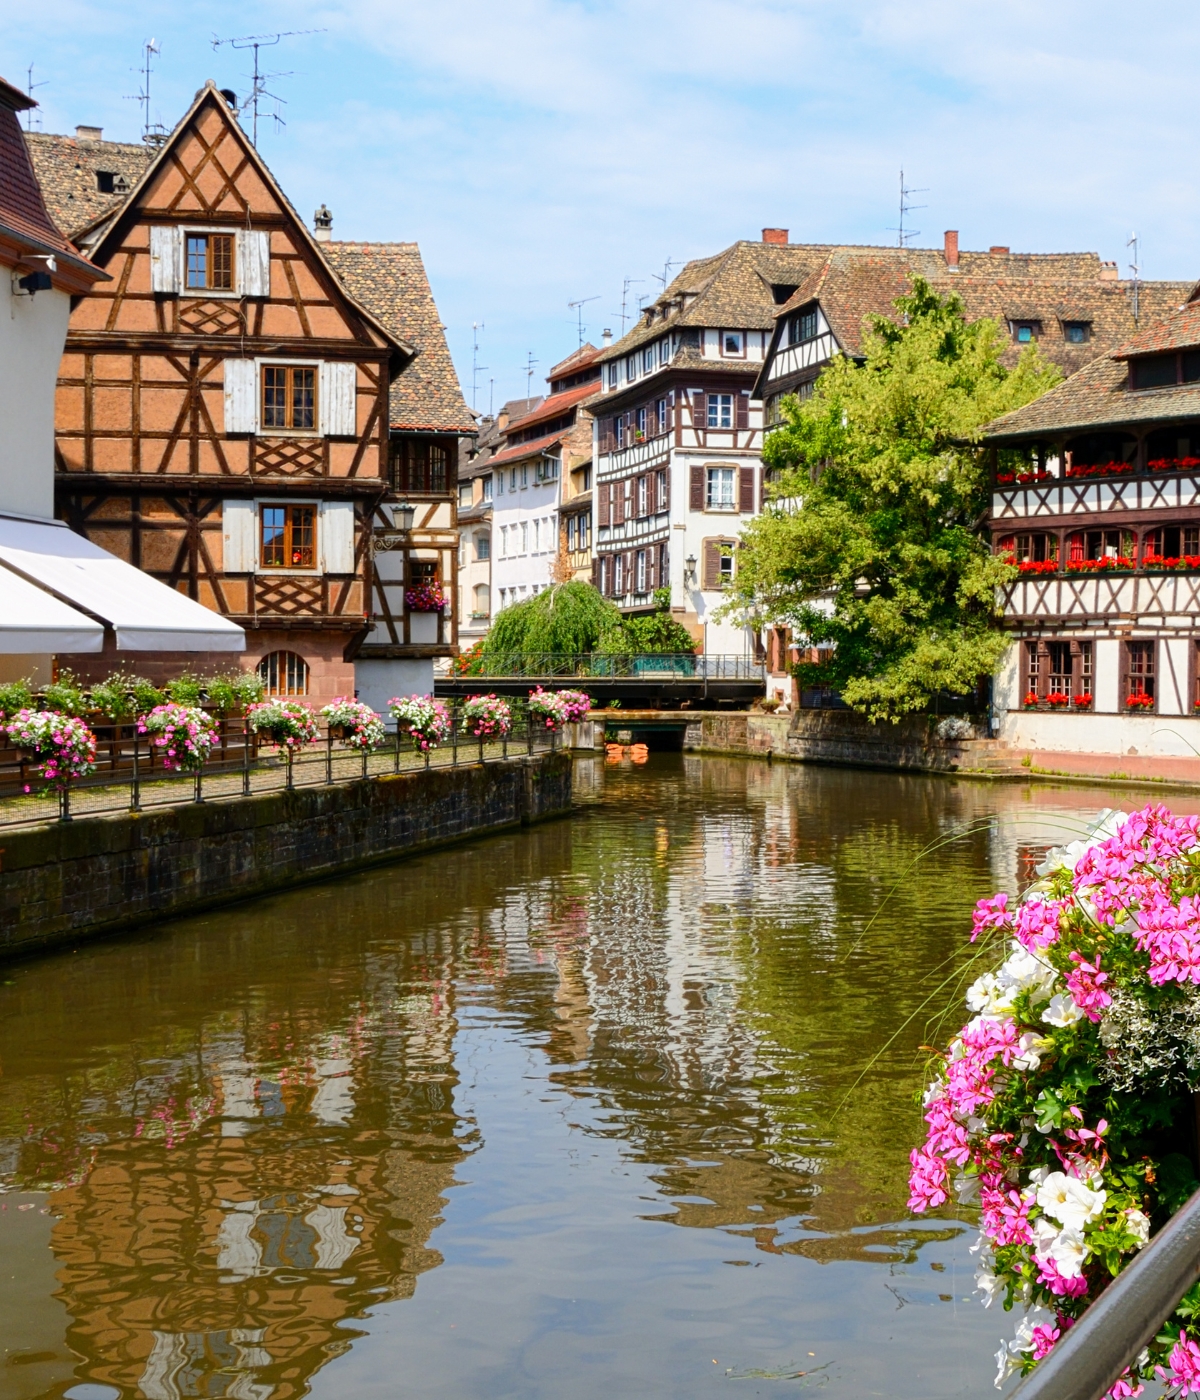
61,746
486,716
185,734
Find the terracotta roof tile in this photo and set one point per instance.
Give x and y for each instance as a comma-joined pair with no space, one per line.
22,206
1178,331
389,280
68,172
554,406
526,449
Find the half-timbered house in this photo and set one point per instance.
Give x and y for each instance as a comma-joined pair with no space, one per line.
1096,498
223,418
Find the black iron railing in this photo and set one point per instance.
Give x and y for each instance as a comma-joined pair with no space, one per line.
603,666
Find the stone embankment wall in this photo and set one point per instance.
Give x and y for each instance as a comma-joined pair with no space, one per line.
97,875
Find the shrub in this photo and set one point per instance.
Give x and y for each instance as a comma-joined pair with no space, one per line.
65,695
185,690
233,692
14,696
121,696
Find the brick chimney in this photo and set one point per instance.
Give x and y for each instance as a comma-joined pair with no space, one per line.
89,133
775,235
323,225
950,247
1108,272
999,250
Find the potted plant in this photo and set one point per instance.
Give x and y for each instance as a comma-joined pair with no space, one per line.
1139,700
61,746
184,735
1031,700
287,724
486,717
425,720
1082,702
576,705
355,723
546,709
425,597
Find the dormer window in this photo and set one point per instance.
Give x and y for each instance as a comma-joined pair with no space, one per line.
614,373
631,368
1077,332
1025,332
209,262
731,343
648,359
110,182
664,350
1160,371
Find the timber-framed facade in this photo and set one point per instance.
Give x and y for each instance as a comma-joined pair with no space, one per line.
222,418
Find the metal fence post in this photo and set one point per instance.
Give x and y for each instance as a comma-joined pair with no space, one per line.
364,760
329,755
64,802
135,786
289,782
454,736
245,755
198,795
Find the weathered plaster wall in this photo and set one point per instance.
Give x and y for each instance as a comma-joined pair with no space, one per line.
32,331
76,880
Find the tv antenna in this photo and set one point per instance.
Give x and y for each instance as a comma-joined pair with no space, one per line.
666,272
1135,268
903,234
30,85
153,133
260,79
577,307
625,286
476,327
529,364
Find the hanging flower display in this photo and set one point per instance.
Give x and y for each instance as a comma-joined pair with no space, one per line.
354,722
1139,700
555,708
1058,1106
425,720
286,723
1031,700
183,734
486,716
425,597
576,705
61,746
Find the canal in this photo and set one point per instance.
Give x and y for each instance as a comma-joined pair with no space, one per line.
615,1106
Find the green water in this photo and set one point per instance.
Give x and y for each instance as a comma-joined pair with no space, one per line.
617,1106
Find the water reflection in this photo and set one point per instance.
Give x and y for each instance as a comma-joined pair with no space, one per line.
255,1131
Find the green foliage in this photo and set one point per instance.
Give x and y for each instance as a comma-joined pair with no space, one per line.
14,696
650,632
185,690
232,692
887,490
65,695
121,696
565,618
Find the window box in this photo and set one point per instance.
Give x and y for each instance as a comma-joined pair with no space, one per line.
1101,469
1022,478
1139,702
1037,566
1174,464
425,598
1030,701
1081,702
1058,699
1111,564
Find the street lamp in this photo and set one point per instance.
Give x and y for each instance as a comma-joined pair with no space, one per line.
402,516
689,566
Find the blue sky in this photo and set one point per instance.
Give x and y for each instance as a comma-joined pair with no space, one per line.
545,150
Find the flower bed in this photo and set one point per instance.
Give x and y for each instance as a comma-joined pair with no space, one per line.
1110,564
425,720
1102,469
486,716
425,598
287,724
60,746
184,735
357,724
1062,1105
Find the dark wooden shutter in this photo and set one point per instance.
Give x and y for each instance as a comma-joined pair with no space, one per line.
596,573
630,576
696,489
618,503
712,564
1123,693
746,490
663,487
651,571
742,410
699,410
602,510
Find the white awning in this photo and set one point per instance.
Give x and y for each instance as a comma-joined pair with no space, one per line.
34,622
145,615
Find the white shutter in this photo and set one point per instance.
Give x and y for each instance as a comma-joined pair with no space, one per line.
241,396
238,536
166,259
335,537
253,263
338,399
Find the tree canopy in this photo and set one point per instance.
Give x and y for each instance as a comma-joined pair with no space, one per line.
872,546
575,617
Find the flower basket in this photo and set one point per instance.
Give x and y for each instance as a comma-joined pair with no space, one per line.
1139,702
355,723
577,705
61,747
1081,702
183,735
1038,566
425,720
1061,1105
1031,700
287,724
425,598
1058,700
486,717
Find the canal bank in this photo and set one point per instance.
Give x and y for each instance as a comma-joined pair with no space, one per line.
67,881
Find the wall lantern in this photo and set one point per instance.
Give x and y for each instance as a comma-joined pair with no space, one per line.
689,565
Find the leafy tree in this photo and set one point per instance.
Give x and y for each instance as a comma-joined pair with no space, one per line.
564,618
650,632
876,544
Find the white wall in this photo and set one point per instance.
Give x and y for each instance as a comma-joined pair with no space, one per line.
512,567
1157,735
376,681
33,330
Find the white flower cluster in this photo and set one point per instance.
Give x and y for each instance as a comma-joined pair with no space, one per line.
995,993
1065,857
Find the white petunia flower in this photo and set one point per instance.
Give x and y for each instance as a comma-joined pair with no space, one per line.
989,1285
966,1188
1069,1251
1062,1010
1065,857
1069,1201
1029,1050
1138,1224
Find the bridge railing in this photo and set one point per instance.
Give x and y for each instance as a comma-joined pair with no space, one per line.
583,666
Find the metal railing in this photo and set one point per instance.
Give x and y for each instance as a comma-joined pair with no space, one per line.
1127,1315
632,665
130,776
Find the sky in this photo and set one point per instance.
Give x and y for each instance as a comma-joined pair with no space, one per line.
544,151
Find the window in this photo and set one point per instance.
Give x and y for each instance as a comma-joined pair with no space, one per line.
512,479
209,262
487,487
419,468
641,422
719,493
483,546
524,538
547,469
802,327
1171,542
648,360
1061,676
464,494
618,574
1086,671
288,537
664,575
640,572
603,574
585,478
1033,669
524,473
283,673
614,373
483,601
660,415
289,397
583,530
631,367
1026,331
731,343
571,533
1033,548
720,410
725,566
1154,371
619,430
1077,332
664,350
660,482
110,182
643,495
1139,680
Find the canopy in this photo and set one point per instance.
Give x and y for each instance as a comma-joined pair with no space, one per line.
34,621
145,615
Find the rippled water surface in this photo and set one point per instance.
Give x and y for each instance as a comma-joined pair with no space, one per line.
618,1106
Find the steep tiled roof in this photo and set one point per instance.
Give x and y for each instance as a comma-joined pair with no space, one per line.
526,449
1178,331
22,207
575,362
554,407
68,171
389,280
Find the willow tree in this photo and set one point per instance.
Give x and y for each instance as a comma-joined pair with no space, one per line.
564,618
874,546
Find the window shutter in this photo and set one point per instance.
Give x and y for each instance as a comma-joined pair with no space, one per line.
696,489
618,505
746,490
337,399
712,564
699,410
602,503
630,576
241,396
1124,691
651,570
238,536
166,259
335,537
742,409
254,262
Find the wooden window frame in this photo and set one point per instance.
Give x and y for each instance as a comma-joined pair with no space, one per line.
721,509
292,518
292,664
714,404
1134,681
739,354
290,369
208,287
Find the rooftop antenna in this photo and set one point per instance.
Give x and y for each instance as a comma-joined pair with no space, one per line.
153,133
529,364
903,234
1135,268
625,286
491,396
476,327
260,79
666,272
29,89
577,307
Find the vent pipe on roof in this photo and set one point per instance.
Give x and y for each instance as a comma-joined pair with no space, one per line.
89,133
775,235
950,248
323,225
606,338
